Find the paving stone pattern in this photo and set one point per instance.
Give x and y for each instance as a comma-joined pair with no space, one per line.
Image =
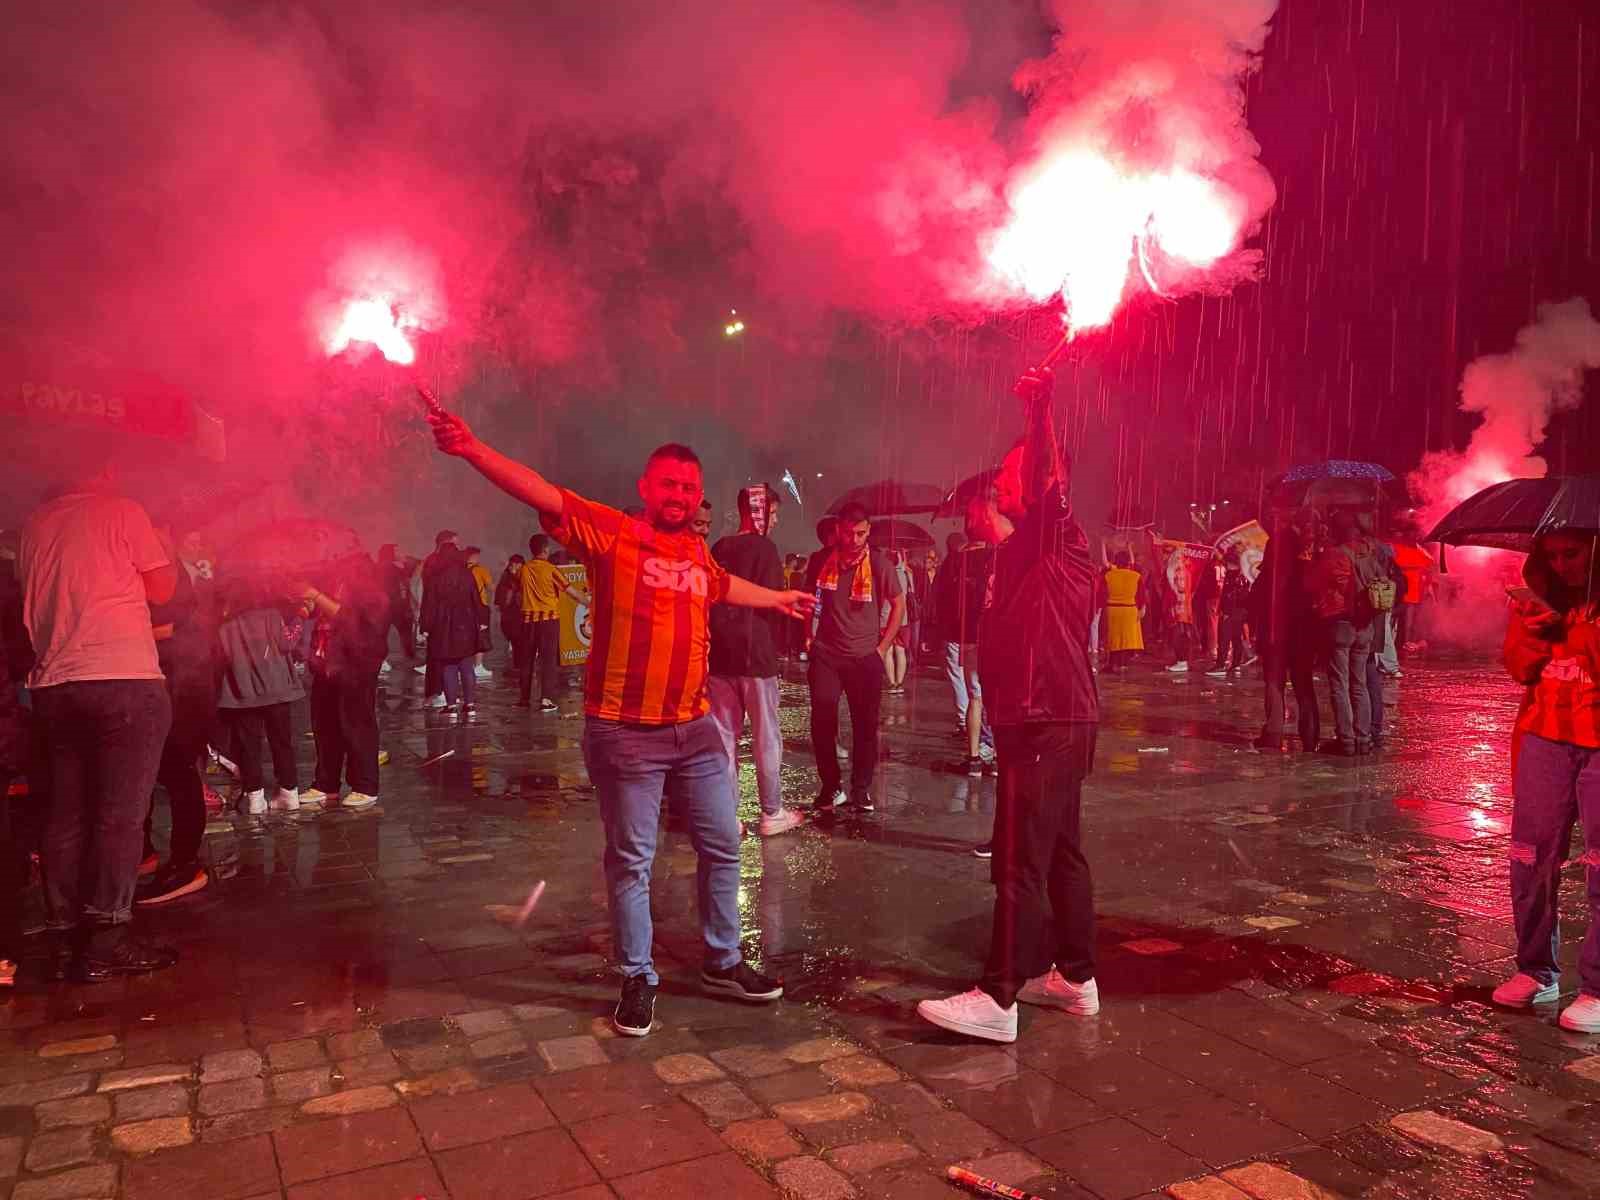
1294,961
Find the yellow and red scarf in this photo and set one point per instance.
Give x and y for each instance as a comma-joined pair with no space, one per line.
860,584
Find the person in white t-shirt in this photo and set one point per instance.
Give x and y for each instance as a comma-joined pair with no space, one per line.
91,566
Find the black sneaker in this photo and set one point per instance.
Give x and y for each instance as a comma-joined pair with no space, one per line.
127,955
636,1011
983,850
862,802
173,882
743,981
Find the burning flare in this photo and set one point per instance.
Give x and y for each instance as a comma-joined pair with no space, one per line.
376,322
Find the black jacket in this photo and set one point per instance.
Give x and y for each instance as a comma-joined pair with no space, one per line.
744,641
452,610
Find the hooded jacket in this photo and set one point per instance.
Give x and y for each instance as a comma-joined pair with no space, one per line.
1561,672
452,609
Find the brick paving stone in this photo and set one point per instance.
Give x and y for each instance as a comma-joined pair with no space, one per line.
815,1050
1265,1181
537,1012
1586,1068
722,1103
599,1091
135,1077
1212,1187
143,1137
1391,1080
840,1106
677,1070
1437,1130
1115,1158
499,1045
79,1110
483,1023
26,1095
719,1175
86,1183
812,1179
381,1067
859,1070
1028,1106
356,1100
628,1142
901,1100
414,1032
292,1087
394,1181
296,1055
425,1059
1216,1130
440,1083
450,1121
60,1148
569,1053
320,1148
791,1085
10,1156
227,1065
87,1045
226,1171
751,1061
948,1136
1307,1103
218,1099
355,1045
529,1165
764,1140
141,1104
864,1157
244,1124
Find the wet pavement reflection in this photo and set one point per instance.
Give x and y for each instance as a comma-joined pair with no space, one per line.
1295,956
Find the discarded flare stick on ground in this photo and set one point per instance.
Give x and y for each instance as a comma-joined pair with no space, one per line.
986,1187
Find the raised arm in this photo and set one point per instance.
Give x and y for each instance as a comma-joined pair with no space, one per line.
1041,466
455,437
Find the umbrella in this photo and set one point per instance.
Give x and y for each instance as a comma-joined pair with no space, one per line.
891,498
281,547
1338,468
1510,515
900,535
954,505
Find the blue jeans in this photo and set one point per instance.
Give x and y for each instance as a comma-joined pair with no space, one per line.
962,672
103,741
458,681
732,697
1348,648
1554,784
629,766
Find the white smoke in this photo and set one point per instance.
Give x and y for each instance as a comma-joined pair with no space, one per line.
1516,394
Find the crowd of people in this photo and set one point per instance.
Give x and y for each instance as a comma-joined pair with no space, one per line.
130,667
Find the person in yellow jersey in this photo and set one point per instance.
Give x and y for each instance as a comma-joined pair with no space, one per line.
542,587
1125,604
485,581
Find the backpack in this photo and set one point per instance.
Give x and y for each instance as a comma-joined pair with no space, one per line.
1374,589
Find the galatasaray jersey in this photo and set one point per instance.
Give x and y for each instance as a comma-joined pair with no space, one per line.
653,594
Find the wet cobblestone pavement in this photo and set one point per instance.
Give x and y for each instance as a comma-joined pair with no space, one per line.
1295,959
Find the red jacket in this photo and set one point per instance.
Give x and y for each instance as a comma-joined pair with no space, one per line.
1562,676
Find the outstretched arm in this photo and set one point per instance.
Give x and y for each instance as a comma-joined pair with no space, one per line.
752,595
455,437
1040,463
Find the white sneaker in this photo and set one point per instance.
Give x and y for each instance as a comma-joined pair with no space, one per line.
986,752
313,798
434,701
254,803
1523,990
973,1013
1178,668
1053,990
803,656
1221,673
422,670
1582,1015
358,800
286,800
386,668
782,822
482,672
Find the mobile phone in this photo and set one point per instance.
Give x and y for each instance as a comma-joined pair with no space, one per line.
1526,595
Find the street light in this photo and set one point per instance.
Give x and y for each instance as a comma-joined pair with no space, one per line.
733,327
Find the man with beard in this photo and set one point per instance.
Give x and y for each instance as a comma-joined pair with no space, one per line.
1040,694
648,725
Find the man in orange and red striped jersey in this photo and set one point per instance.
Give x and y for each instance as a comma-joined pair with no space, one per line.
653,581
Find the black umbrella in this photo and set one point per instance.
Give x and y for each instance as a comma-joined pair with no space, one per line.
891,498
981,485
1510,515
900,535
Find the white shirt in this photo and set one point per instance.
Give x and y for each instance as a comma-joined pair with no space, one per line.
84,601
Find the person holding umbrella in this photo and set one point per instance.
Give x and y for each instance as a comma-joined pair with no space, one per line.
1552,647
